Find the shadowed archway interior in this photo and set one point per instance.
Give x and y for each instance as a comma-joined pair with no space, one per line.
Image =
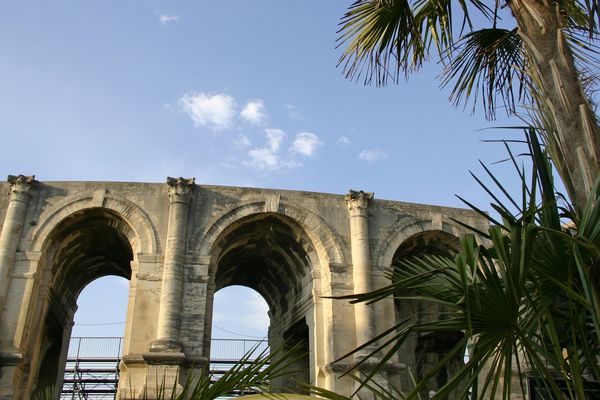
267,255
421,351
87,245
272,255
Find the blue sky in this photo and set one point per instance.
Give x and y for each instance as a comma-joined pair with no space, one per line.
234,92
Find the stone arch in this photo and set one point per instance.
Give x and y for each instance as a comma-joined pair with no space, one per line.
79,240
221,246
146,238
401,231
304,246
111,232
423,350
322,237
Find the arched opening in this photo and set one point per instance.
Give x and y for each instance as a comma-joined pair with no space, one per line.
96,343
85,246
102,308
240,324
423,351
240,313
272,255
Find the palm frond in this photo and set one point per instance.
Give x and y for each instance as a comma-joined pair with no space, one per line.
379,36
254,371
527,301
487,63
385,39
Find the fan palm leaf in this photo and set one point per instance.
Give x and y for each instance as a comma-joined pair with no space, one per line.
526,300
489,60
252,372
544,61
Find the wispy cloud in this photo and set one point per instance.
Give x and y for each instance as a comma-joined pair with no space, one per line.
165,19
254,112
216,111
268,157
274,138
372,155
242,141
293,112
220,111
264,158
343,141
305,144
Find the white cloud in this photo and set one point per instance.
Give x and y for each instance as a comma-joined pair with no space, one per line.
305,144
242,141
264,158
343,140
213,110
268,157
167,18
274,138
254,112
293,111
372,155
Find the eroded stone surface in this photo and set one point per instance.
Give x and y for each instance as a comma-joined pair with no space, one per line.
178,242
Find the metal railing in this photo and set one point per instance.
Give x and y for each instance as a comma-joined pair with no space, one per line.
95,347
235,349
92,369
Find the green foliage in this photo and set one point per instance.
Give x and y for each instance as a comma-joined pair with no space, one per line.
525,296
253,371
490,60
386,39
376,390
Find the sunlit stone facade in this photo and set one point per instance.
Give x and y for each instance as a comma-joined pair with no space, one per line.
178,243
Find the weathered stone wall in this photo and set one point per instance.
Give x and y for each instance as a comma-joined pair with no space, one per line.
180,242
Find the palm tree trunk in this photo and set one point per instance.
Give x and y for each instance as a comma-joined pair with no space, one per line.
572,134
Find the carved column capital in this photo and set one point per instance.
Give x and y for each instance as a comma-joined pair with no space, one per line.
14,220
180,188
20,186
358,201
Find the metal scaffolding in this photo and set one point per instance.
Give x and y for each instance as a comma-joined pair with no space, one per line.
92,369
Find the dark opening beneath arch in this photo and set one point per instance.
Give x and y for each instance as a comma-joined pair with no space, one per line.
273,256
423,351
87,245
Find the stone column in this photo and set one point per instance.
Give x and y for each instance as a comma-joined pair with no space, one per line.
359,241
20,188
180,194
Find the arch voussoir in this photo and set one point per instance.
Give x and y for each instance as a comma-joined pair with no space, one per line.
403,230
321,236
146,241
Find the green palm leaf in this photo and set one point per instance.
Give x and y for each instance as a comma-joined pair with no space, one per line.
488,63
526,300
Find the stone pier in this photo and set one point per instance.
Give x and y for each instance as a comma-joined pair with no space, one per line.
178,244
